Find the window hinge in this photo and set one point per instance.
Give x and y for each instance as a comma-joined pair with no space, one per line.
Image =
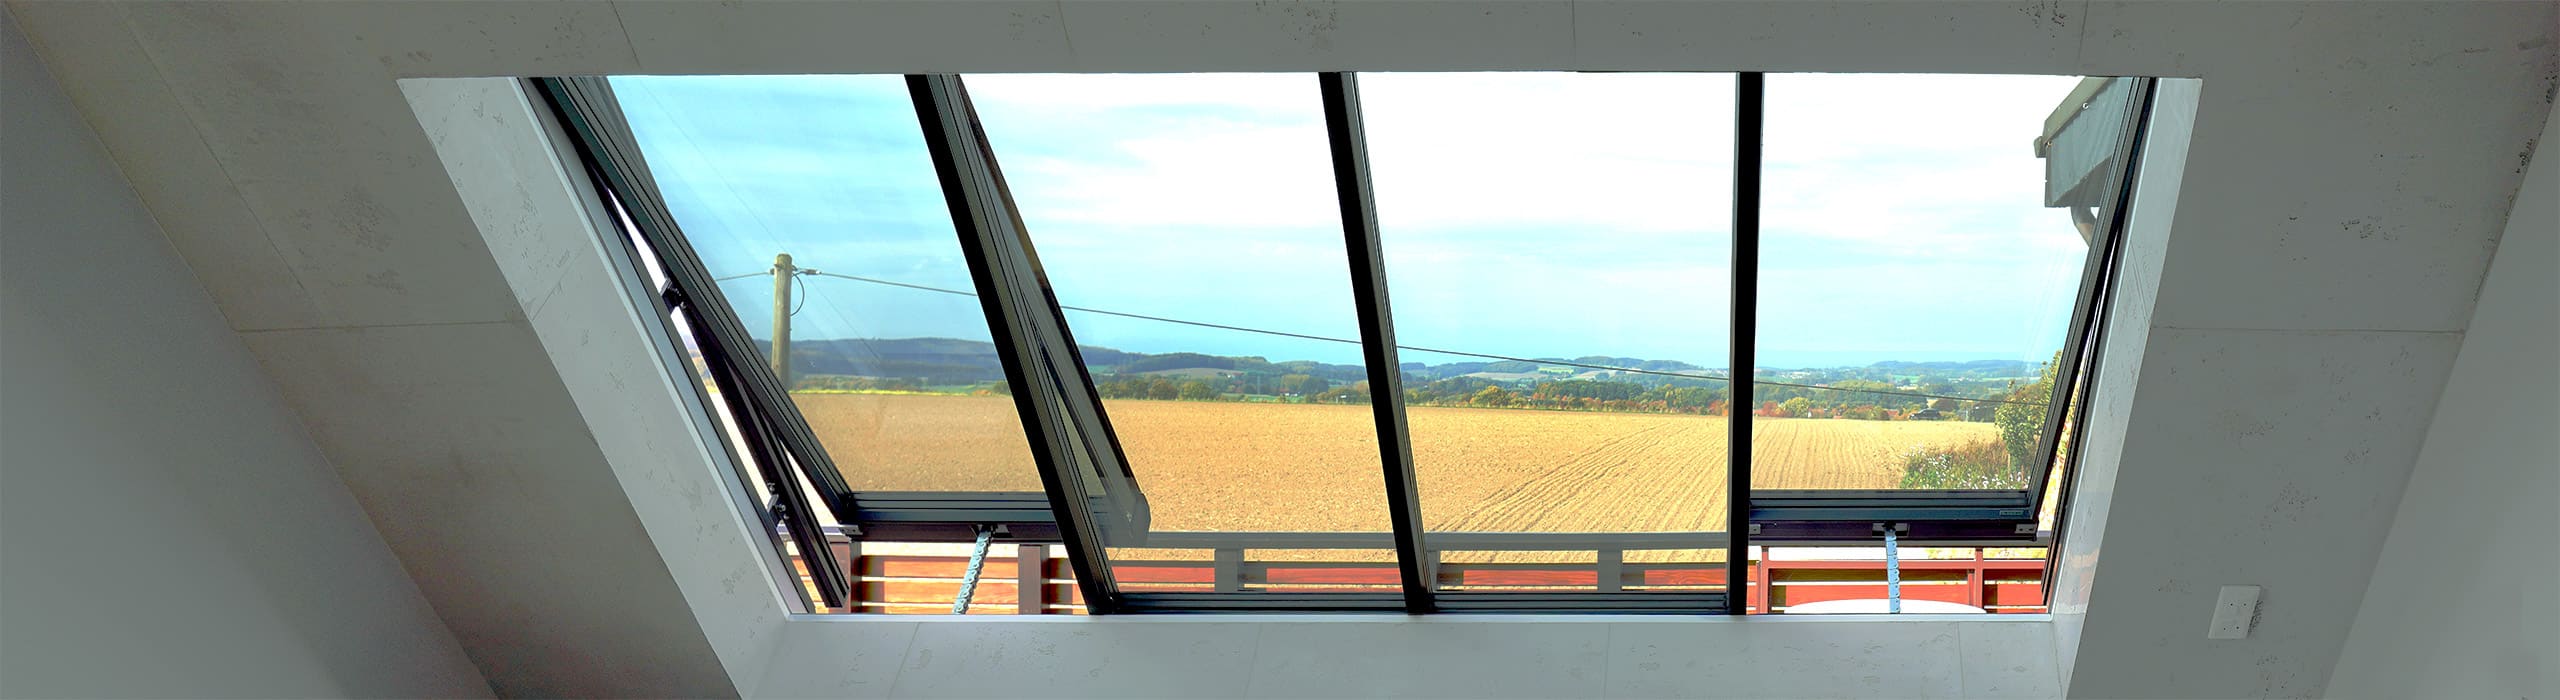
2026,528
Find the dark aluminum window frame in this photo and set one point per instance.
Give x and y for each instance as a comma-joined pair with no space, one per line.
1072,439
779,445
1970,517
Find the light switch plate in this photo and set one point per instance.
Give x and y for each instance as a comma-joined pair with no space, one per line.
2233,612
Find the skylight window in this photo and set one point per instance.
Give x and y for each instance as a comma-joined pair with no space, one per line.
1515,341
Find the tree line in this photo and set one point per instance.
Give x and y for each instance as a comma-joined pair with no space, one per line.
1984,465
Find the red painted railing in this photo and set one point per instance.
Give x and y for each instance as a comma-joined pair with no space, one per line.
1035,579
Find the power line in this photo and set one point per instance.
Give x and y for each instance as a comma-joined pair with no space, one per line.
1460,353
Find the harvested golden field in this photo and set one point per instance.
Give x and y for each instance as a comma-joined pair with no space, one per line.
1290,467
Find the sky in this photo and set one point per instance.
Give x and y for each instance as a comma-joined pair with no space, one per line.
1523,214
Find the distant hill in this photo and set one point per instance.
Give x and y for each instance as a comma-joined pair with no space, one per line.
952,361
1978,368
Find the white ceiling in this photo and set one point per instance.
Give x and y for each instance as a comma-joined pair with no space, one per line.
2351,167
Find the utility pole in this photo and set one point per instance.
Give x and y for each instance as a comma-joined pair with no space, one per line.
783,274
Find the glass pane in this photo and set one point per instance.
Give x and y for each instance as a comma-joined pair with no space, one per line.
889,354
1581,571
1558,252
1918,270
1188,224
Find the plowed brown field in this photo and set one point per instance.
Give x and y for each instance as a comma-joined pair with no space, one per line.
1286,467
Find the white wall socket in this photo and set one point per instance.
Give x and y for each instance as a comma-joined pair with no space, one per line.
2233,612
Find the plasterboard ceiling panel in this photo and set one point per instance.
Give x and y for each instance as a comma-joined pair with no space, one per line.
1118,35
158,150
2040,36
331,160
865,37
2326,189
487,38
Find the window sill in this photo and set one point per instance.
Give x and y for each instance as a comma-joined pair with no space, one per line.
1337,655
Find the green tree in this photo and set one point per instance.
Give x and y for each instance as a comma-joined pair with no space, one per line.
1196,390
2021,423
1798,407
1977,465
1163,389
1355,392
1491,396
1303,384
1690,397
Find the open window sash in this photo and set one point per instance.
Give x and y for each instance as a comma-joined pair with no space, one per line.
2090,147
779,445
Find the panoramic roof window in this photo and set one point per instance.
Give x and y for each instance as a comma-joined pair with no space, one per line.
1420,342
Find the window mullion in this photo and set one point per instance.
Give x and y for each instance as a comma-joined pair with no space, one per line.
1026,324
1748,95
1377,332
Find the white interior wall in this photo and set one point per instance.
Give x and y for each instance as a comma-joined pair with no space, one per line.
2466,600
2349,176
385,321
167,528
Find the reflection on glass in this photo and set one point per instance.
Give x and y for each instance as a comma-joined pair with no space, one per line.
1919,262
900,384
1558,252
1161,202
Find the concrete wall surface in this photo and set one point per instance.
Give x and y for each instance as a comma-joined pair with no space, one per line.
2466,600
167,528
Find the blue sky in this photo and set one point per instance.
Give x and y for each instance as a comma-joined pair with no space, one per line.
1528,214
